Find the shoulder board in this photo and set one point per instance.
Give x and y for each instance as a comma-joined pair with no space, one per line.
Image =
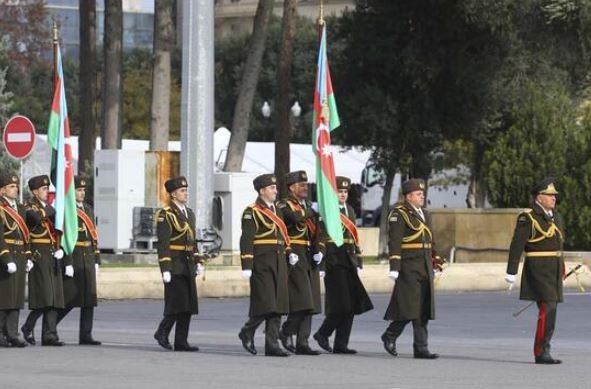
524,216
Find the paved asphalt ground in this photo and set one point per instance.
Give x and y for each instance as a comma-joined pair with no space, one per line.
481,346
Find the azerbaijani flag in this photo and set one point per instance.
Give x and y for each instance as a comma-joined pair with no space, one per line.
62,173
326,119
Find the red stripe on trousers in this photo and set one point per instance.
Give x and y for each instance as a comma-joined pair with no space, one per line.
541,329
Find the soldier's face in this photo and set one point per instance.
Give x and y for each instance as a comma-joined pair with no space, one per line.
41,193
343,195
181,195
269,193
299,190
416,198
547,201
11,191
80,195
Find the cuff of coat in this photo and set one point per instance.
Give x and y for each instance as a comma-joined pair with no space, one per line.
246,260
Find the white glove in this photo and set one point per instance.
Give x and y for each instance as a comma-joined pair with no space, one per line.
510,278
29,266
69,271
436,273
199,269
166,277
96,269
11,267
318,258
314,207
321,273
59,254
293,259
246,274
393,275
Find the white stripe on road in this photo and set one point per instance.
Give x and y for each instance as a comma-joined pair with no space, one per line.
17,137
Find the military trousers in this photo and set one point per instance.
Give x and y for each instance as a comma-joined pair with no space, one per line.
181,332
272,323
299,324
48,326
9,323
341,324
86,321
545,327
420,332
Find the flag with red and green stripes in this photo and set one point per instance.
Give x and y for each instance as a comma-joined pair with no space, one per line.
62,173
326,119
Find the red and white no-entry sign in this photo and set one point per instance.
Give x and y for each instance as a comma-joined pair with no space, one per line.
19,137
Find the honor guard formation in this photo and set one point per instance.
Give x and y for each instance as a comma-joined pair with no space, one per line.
285,251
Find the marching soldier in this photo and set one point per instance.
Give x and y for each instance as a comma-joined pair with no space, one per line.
304,279
16,262
264,252
411,253
80,280
179,263
345,294
46,294
539,234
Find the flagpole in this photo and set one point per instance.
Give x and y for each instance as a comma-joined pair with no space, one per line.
55,48
321,13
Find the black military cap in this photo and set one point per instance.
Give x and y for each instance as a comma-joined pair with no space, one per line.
263,181
38,182
80,182
175,183
7,179
295,177
343,182
412,185
545,186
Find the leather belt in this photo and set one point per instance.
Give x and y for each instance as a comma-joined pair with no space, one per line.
41,240
301,242
267,241
16,242
416,245
178,247
535,254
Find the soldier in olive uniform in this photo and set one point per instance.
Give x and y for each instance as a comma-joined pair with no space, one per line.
265,253
345,294
411,253
179,263
80,280
304,279
46,294
539,235
16,262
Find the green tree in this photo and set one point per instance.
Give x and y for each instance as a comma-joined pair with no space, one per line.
534,147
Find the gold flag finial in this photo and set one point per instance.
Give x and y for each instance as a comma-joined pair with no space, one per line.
55,31
321,14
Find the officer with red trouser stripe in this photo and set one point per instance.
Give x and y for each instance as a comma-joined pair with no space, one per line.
539,236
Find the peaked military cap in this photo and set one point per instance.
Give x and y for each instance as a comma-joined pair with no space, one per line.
175,183
295,177
80,182
343,182
7,179
412,185
38,182
545,186
263,181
